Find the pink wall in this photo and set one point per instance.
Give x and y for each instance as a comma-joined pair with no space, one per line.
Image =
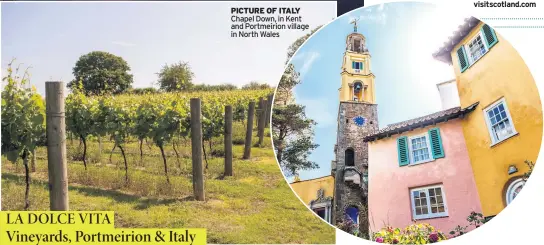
389,184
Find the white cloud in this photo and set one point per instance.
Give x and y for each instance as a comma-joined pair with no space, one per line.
309,59
124,44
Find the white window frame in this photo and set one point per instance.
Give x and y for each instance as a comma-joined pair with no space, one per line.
410,150
429,215
514,185
471,60
494,140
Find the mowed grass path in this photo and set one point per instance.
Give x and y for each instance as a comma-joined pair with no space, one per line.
255,205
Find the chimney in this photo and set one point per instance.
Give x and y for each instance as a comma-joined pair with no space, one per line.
449,96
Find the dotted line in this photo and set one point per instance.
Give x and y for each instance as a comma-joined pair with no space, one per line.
525,27
513,18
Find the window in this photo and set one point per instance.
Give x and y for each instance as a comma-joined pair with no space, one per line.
428,202
356,45
321,213
358,91
513,190
357,65
350,158
419,149
499,122
470,52
476,48
322,205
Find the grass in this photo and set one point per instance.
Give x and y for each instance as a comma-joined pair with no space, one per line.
253,206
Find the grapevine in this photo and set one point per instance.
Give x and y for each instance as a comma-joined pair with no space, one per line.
23,121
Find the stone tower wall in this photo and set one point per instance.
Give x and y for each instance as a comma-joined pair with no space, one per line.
350,135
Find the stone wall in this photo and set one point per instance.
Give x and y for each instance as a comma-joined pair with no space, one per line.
350,135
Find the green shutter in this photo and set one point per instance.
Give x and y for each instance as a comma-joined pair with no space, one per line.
361,65
436,143
489,35
353,64
462,57
402,148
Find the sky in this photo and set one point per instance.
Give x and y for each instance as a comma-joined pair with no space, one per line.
50,37
401,38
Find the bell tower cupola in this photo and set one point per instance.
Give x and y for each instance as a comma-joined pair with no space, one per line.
357,78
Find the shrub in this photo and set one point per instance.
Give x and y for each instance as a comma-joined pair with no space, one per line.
218,152
349,226
475,219
413,234
238,141
531,165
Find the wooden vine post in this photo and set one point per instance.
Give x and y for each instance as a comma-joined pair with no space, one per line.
269,109
262,121
196,145
259,112
228,140
249,130
56,146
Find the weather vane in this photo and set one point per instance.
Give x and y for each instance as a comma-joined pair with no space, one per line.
354,22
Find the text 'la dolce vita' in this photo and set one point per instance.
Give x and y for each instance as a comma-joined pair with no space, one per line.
59,218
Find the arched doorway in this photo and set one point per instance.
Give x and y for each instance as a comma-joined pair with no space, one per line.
353,214
513,190
358,91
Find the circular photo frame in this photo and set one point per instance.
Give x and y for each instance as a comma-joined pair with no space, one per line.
416,138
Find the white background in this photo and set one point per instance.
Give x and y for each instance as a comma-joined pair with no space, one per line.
521,222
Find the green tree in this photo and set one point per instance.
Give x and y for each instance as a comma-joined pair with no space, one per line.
293,138
284,92
175,77
23,121
255,85
101,73
292,131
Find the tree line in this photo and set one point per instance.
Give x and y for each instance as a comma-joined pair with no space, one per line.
102,73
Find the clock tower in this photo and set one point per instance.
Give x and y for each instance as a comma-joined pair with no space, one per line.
357,117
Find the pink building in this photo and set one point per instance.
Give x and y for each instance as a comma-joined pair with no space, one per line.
420,170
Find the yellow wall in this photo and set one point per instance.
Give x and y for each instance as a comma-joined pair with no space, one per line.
307,189
499,73
365,76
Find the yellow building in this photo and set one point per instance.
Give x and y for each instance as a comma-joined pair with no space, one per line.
505,130
316,194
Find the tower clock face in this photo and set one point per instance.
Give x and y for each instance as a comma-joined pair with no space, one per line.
359,121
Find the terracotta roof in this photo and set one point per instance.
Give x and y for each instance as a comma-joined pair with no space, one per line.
444,53
420,122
